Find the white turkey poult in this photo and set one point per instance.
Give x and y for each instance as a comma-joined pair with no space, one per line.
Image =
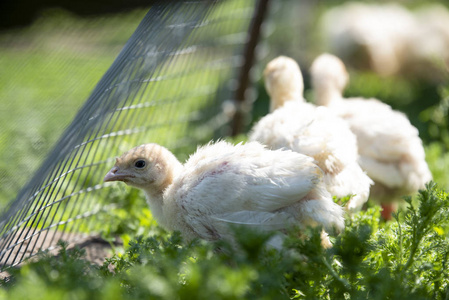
310,130
389,38
245,184
373,33
390,149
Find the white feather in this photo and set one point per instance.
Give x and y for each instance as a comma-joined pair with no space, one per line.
313,131
247,184
390,149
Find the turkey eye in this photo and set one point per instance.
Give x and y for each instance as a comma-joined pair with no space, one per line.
139,164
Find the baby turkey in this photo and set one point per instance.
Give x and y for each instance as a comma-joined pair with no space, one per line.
390,149
314,131
221,183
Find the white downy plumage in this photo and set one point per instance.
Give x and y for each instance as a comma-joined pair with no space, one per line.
381,31
389,38
428,46
221,183
390,149
310,130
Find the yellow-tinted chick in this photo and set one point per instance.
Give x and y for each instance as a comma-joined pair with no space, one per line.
222,183
314,131
389,147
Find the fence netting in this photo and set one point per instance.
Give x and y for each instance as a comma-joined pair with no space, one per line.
172,84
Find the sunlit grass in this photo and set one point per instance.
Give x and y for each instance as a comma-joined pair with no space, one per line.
47,72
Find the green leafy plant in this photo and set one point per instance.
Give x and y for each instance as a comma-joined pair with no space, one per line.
404,258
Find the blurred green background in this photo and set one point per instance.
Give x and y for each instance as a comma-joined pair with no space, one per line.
47,71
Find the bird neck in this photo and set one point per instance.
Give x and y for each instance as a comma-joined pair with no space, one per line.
327,96
166,211
155,201
155,192
280,98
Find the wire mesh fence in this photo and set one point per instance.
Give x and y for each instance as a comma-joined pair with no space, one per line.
168,85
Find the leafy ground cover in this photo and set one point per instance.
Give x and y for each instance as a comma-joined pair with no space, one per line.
405,258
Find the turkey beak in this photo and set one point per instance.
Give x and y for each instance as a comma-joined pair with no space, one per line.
116,175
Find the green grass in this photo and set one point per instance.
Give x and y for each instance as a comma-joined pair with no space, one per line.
47,72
